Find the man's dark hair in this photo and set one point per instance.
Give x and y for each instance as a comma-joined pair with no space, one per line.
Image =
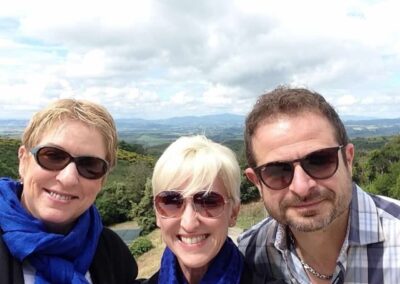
286,101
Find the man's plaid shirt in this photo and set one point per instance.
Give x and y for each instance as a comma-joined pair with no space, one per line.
370,253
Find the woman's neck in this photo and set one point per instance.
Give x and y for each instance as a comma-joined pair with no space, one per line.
193,275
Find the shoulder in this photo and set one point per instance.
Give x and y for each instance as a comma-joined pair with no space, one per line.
113,260
386,207
260,234
374,218
109,236
113,246
152,280
10,268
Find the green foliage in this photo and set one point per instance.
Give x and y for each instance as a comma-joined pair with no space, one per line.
114,203
378,171
9,157
387,184
131,147
250,214
143,212
140,245
248,192
133,157
124,188
368,144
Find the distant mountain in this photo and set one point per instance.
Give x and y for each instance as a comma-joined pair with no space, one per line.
221,127
226,119
356,118
221,120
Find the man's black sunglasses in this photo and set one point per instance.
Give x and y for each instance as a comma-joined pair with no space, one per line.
320,164
55,159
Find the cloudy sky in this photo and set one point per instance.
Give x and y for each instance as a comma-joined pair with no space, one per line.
157,59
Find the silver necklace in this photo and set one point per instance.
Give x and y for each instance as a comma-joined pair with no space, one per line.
308,267
314,272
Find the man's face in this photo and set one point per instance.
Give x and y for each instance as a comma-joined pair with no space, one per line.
306,204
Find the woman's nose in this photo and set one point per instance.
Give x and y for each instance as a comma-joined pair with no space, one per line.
69,175
189,218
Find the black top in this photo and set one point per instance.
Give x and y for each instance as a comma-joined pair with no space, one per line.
247,277
113,263
244,279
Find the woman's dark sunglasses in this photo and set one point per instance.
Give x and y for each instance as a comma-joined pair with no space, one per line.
320,164
55,159
171,204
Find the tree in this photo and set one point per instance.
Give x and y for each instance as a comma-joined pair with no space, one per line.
137,148
248,192
114,203
143,212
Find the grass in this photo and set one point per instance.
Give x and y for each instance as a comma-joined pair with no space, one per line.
149,262
250,214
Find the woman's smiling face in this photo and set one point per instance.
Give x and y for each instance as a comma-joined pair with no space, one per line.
196,240
58,198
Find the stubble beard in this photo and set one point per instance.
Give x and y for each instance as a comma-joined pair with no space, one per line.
311,221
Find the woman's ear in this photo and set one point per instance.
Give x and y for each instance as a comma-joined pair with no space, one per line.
234,215
23,160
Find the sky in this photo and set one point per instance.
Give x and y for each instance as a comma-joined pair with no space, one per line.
159,59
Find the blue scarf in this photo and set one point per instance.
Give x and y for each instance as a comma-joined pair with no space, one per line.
225,268
57,258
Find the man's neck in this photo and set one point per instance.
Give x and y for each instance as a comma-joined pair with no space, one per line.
320,249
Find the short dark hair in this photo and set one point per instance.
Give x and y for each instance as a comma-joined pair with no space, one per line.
286,101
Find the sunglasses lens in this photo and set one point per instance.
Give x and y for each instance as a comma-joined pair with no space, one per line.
169,204
91,167
277,175
321,164
53,159
209,204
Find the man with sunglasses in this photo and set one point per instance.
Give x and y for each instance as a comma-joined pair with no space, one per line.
322,228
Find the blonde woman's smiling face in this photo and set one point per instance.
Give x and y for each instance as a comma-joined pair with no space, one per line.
196,240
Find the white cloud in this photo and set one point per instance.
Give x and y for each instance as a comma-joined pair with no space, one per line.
89,64
164,58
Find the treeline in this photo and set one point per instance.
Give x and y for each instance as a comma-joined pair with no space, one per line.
378,169
127,192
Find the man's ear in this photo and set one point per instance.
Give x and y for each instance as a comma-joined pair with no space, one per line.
252,176
349,150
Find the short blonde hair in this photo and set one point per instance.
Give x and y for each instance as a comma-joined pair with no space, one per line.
195,162
89,113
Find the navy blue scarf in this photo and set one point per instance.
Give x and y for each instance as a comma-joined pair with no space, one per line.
225,268
57,258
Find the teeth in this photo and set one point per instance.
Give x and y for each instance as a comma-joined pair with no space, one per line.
193,240
59,196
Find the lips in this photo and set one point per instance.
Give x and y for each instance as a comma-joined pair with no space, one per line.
307,204
192,240
59,196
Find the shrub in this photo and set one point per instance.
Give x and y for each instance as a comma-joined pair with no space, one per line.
248,192
143,212
140,245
